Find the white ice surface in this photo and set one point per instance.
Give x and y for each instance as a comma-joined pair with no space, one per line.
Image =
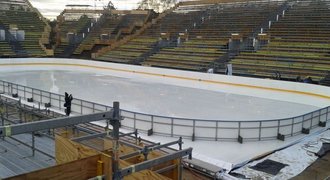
157,98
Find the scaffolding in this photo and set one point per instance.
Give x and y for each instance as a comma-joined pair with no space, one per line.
113,155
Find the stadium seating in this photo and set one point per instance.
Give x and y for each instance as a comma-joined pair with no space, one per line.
126,23
76,26
192,55
6,50
145,44
298,47
209,36
130,51
33,26
116,26
107,26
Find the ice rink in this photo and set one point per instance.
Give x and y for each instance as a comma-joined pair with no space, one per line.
138,89
157,98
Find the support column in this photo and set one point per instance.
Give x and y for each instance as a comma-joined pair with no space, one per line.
115,122
2,122
33,144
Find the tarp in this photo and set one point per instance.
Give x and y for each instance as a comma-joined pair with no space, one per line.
269,166
324,150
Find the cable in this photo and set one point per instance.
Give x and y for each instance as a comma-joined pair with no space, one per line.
313,144
309,147
193,172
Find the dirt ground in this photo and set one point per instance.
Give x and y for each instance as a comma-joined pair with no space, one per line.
319,170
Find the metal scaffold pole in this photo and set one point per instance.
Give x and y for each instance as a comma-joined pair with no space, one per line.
35,126
115,122
2,120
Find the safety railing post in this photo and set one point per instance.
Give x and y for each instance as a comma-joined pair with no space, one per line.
303,121
216,130
311,124
50,98
24,89
41,97
239,128
3,87
292,124
194,127
260,125
33,144
2,122
326,116
134,121
59,102
81,107
172,124
32,91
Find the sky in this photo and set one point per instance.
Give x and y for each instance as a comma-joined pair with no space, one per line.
52,8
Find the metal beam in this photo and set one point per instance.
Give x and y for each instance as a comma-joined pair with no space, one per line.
130,145
145,151
99,135
11,130
167,144
90,136
129,134
150,163
165,169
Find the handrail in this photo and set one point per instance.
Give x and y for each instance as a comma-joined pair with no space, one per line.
226,130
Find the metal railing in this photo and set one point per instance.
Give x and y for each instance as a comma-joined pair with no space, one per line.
196,129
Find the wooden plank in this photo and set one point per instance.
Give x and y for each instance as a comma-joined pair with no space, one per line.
76,170
67,150
123,149
146,175
107,168
171,174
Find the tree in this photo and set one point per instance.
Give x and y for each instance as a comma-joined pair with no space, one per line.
156,5
110,6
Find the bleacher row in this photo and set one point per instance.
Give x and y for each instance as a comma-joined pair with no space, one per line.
69,26
208,41
297,48
299,45
112,27
205,31
21,19
193,36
